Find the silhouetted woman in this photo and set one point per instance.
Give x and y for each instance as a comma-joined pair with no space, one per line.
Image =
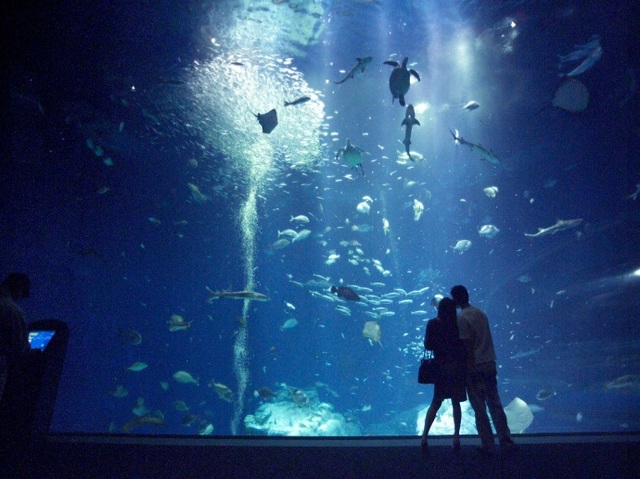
442,337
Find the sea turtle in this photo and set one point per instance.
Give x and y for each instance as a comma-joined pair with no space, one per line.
399,79
352,155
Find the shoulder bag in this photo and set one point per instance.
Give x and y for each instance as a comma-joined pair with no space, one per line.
428,372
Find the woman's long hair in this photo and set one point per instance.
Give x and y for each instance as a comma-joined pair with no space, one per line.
448,316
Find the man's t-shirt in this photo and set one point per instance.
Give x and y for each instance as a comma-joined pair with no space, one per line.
474,325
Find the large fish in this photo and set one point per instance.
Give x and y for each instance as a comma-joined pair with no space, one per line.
298,101
408,122
250,295
485,154
345,292
360,65
561,225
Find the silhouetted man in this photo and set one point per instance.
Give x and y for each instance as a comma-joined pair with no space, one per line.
14,339
482,384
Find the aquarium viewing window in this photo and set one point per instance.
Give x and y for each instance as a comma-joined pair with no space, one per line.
247,211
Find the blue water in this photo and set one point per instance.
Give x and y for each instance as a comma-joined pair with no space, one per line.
116,109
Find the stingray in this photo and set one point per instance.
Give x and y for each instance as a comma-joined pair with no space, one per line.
268,121
519,415
571,96
372,332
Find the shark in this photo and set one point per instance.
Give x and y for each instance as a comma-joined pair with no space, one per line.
361,64
526,354
485,154
408,122
248,295
561,225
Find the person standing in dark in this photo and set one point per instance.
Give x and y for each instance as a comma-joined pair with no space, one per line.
443,338
482,383
14,338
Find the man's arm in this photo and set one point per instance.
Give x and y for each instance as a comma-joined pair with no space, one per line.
468,347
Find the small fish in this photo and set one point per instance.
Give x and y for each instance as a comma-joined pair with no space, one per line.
119,392
222,390
345,292
279,244
196,194
385,226
301,235
177,323
488,231
435,301
471,105
184,378
289,233
264,392
188,418
180,406
461,246
297,101
363,228
288,324
130,337
491,191
205,430
299,219
363,208
137,366
418,209
545,394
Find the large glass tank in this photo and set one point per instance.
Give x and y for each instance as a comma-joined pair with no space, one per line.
193,255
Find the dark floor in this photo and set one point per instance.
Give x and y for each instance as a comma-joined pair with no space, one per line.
83,456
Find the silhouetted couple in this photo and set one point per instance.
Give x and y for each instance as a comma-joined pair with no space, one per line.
463,348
